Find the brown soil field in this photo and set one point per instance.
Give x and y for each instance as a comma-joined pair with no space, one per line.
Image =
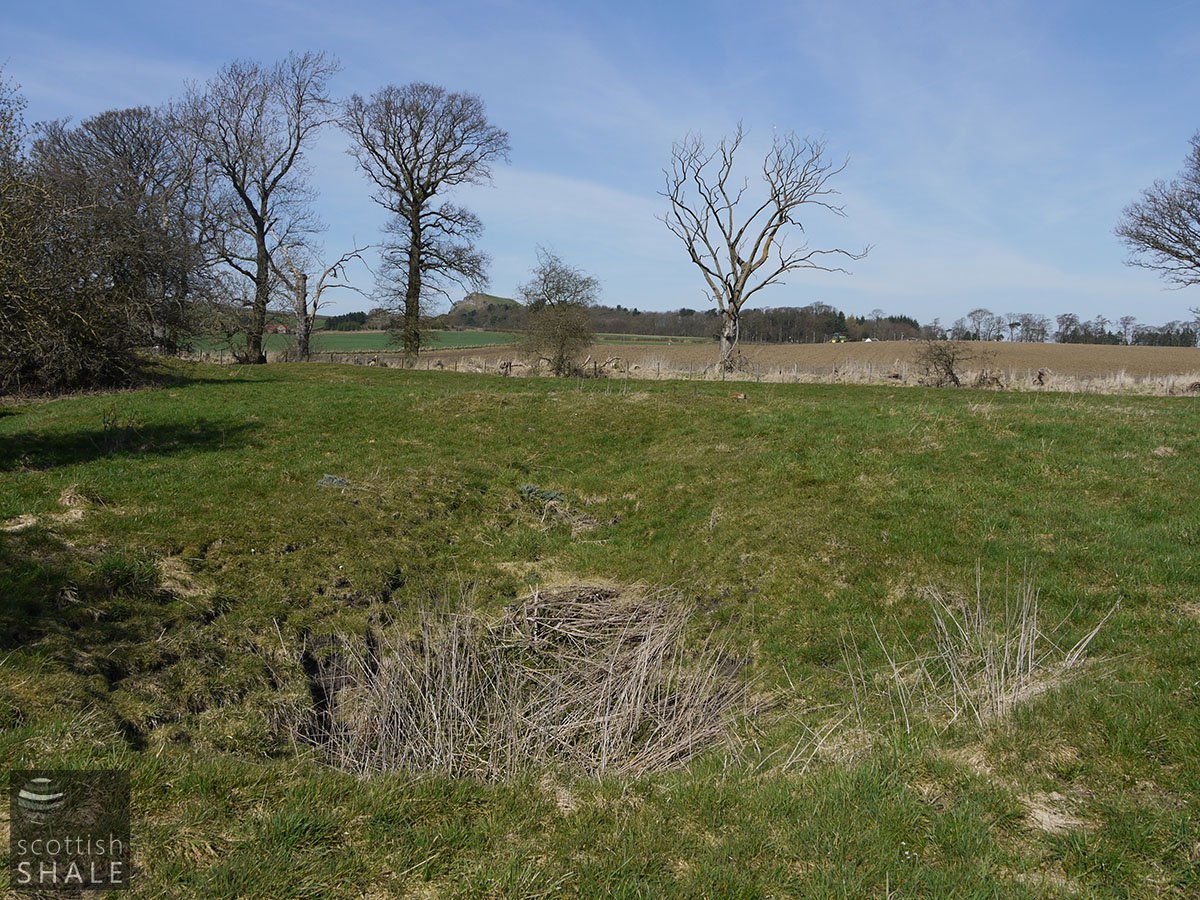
1069,367
1017,358
1079,360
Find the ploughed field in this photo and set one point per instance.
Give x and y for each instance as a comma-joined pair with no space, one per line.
183,569
1067,365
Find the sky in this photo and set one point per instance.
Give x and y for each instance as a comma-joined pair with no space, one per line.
990,146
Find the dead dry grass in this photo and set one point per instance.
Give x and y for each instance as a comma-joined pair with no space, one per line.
178,578
74,504
989,656
590,679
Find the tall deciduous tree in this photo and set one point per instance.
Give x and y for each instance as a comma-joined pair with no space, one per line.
13,130
738,241
415,143
1035,328
1162,228
254,123
136,177
98,245
1127,323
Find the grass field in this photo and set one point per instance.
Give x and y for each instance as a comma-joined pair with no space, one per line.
371,341
165,553
655,339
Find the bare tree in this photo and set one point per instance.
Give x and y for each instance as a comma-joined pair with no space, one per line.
738,243
13,130
558,297
1162,228
76,261
1035,328
986,325
306,303
1069,328
415,143
254,123
1127,324
941,361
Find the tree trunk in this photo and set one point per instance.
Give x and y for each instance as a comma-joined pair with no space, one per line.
729,338
258,312
412,295
304,319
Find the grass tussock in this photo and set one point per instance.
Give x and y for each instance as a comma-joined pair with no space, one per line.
592,680
988,656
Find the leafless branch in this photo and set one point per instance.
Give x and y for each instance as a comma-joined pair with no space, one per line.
739,246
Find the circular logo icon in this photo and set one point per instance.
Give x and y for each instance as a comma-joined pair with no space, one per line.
39,798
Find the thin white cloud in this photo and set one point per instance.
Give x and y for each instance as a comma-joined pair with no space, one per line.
612,233
992,144
70,77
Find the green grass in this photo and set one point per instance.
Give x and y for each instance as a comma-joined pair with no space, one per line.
371,341
649,339
376,341
796,517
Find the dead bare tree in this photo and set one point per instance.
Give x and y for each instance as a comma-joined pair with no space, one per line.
254,123
415,142
305,304
739,243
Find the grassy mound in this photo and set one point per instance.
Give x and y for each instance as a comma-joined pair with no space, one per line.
165,552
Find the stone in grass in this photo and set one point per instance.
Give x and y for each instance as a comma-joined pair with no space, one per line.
533,492
333,481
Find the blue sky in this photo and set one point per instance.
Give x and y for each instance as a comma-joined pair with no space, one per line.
992,145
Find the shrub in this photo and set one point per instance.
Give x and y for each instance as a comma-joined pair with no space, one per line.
940,361
558,298
593,679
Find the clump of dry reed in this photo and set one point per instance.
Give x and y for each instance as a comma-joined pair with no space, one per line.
593,680
987,657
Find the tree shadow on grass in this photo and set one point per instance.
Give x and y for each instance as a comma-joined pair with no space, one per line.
99,616
171,379
48,450
35,575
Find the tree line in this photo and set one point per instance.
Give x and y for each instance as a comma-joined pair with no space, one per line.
1067,328
820,323
140,227
814,323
